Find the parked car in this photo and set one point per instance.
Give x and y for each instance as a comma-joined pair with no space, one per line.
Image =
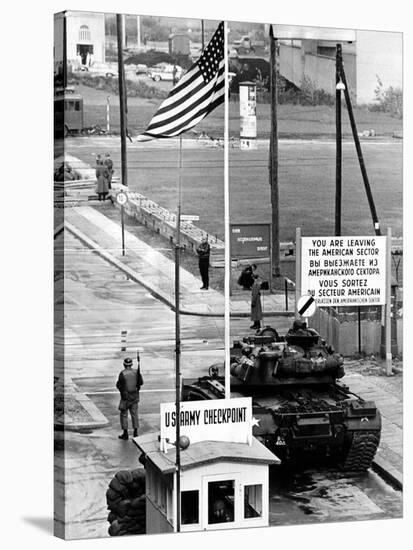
100,69
164,71
141,68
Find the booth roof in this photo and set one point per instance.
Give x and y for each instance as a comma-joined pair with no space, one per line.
203,452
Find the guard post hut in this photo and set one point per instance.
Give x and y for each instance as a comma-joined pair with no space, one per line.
223,483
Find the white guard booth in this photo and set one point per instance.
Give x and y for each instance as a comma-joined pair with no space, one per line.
224,484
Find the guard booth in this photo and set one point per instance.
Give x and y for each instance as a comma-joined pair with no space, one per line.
223,481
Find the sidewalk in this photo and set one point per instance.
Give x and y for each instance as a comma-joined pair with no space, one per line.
154,271
388,396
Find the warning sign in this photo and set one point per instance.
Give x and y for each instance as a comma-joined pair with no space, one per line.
306,306
344,271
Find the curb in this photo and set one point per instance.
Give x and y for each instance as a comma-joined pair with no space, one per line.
99,420
157,293
388,472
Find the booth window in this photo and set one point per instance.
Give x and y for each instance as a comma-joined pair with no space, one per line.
221,497
189,507
252,501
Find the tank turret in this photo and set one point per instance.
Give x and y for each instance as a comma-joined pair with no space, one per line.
271,361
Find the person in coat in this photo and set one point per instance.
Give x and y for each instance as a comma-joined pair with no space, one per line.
102,179
246,279
129,383
109,164
256,309
203,252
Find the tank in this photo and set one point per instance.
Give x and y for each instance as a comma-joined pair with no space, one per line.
300,407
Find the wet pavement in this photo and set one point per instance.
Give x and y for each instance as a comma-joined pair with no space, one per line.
105,312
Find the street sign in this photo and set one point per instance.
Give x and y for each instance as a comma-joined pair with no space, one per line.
250,240
189,218
344,271
306,306
122,198
215,420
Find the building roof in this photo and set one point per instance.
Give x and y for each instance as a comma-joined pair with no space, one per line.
204,452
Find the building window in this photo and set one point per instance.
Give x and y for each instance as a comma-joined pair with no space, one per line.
189,507
221,497
84,34
252,501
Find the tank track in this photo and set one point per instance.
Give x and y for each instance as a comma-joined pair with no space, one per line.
362,450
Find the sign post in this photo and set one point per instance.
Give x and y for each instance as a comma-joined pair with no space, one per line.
122,199
388,305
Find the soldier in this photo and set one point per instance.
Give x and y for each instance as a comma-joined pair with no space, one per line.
203,252
256,309
129,384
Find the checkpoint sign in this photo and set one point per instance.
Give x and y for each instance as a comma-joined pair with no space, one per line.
344,271
121,198
214,420
306,306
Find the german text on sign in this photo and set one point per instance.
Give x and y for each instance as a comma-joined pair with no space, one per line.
344,271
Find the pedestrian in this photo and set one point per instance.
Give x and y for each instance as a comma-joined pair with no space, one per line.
102,179
129,383
203,251
256,309
246,279
109,164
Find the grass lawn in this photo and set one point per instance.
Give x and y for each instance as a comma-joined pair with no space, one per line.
293,120
306,183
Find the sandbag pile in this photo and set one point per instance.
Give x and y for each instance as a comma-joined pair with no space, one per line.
127,503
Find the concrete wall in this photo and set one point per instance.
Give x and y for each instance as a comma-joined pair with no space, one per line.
163,222
291,63
343,335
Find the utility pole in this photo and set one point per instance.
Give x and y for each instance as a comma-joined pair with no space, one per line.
123,31
138,31
122,100
360,154
202,34
64,75
273,160
338,141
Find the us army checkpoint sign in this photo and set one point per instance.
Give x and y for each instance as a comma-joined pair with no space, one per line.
344,271
215,420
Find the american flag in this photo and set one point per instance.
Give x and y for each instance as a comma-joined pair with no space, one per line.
198,92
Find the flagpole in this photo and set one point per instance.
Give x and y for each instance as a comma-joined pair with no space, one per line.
226,222
178,345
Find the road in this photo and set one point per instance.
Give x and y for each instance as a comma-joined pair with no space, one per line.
99,303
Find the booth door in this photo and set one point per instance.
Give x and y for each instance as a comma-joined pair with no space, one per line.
221,502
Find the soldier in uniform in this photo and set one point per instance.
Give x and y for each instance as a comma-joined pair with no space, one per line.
203,252
129,384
